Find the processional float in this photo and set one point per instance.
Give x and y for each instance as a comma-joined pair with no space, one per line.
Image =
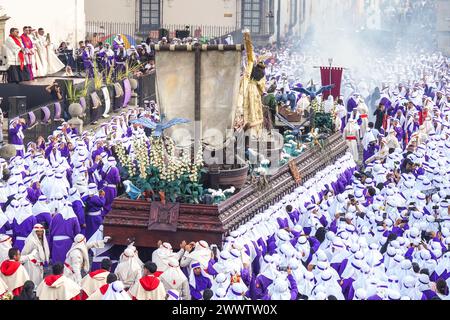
201,83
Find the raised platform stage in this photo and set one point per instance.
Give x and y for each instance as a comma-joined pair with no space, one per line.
34,91
147,223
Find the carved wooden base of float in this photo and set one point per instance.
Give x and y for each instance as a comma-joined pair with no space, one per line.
149,223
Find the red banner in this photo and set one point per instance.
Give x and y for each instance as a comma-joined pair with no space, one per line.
336,79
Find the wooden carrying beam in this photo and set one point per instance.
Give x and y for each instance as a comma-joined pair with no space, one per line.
203,47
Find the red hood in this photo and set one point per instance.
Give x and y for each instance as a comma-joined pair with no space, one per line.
158,273
94,273
9,267
104,288
50,280
149,283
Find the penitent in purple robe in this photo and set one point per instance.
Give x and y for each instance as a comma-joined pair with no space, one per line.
369,152
44,218
78,209
347,285
111,180
6,227
399,133
339,266
259,288
256,266
88,64
16,138
97,259
428,294
201,283
22,231
210,269
95,177
294,215
65,152
375,297
343,123
62,233
351,104
97,152
94,214
33,193
293,287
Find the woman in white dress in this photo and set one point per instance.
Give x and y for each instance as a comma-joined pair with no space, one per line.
351,135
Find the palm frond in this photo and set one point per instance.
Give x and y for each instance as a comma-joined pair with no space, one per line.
98,78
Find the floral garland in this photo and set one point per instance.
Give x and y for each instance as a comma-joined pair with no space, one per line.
220,196
125,160
315,105
172,166
142,157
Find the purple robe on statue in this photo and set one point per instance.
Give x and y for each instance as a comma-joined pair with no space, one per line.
62,233
22,231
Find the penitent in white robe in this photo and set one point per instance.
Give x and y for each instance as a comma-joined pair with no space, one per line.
363,111
351,136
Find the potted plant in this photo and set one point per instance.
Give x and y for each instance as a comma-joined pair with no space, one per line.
73,97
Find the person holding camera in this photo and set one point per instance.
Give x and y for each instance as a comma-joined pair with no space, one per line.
55,91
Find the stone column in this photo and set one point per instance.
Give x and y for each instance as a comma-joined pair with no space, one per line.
3,19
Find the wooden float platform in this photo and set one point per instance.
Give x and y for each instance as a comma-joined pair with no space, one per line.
147,222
